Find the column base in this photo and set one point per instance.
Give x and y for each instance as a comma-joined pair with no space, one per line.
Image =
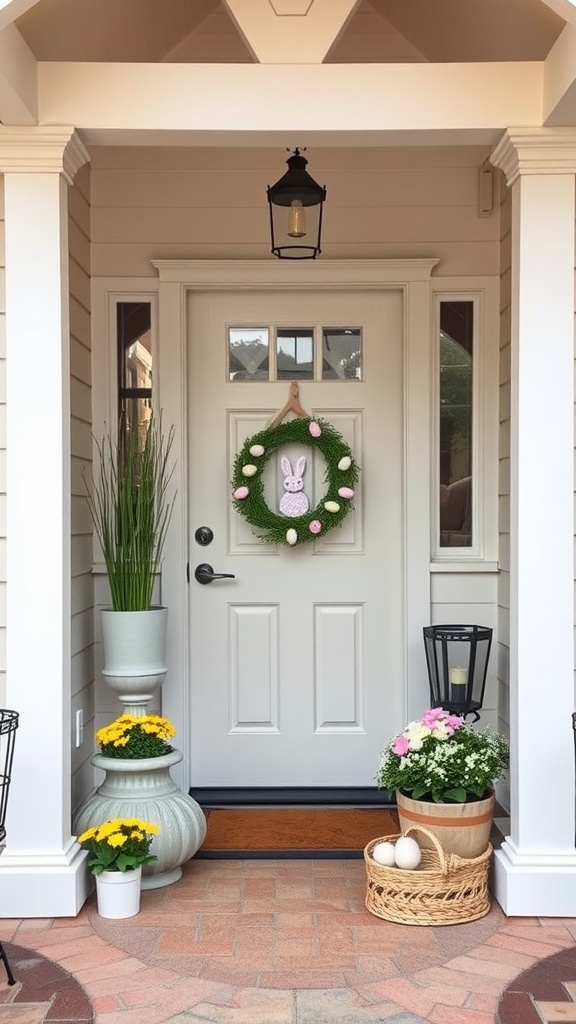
44,884
535,884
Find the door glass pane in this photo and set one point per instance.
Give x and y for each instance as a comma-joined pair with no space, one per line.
248,353
456,368
341,353
295,354
134,349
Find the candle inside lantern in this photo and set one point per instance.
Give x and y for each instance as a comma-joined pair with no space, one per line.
458,678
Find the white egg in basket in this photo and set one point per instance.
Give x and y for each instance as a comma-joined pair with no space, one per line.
407,853
383,853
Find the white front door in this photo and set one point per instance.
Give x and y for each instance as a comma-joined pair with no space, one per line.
297,662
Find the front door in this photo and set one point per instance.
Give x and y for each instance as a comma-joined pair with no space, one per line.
297,661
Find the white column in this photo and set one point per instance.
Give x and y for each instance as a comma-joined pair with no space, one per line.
42,870
536,866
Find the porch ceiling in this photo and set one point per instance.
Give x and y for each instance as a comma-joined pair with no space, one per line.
203,31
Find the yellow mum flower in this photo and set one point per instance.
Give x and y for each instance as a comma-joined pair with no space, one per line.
107,829
117,839
88,834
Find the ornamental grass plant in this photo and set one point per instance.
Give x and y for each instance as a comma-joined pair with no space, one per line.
131,510
120,844
442,759
136,736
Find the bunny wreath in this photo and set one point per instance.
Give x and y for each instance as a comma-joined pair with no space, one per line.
248,483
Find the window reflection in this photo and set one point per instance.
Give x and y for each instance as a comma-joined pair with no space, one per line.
134,348
248,353
295,354
456,376
341,353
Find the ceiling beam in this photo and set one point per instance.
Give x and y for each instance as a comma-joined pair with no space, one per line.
12,9
565,8
559,86
293,104
292,31
18,79
294,100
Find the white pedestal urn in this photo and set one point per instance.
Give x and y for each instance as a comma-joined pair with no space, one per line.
134,649
118,893
143,788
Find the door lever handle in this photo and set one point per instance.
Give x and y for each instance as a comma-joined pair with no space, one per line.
204,573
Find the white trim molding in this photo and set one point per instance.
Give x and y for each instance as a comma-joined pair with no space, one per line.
523,151
537,859
41,150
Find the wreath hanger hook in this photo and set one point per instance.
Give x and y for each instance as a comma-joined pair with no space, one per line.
292,405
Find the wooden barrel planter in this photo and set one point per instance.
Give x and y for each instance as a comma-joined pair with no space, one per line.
459,828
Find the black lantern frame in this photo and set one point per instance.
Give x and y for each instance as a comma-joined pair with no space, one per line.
296,203
457,660
8,726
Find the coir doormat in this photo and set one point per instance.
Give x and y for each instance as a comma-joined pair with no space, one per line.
294,831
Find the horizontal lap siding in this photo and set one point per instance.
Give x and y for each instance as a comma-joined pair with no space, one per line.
81,442
471,599
211,204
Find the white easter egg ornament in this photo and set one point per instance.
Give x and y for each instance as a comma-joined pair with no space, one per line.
407,853
383,853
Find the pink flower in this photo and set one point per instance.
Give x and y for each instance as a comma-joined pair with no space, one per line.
400,746
315,526
431,717
452,723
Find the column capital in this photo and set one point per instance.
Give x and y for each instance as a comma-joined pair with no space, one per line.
42,149
535,151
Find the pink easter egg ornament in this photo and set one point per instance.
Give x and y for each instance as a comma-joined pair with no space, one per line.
241,492
345,492
315,429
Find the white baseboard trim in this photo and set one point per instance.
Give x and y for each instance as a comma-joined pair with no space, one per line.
535,884
53,885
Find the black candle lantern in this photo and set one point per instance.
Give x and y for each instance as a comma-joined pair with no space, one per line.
457,660
296,202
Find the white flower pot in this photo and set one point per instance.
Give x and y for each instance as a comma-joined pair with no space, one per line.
118,893
143,788
134,655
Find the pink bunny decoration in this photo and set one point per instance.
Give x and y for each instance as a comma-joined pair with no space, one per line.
294,502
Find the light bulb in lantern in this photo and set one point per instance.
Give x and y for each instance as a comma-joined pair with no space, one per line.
296,219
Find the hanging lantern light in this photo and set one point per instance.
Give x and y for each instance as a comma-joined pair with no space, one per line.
296,202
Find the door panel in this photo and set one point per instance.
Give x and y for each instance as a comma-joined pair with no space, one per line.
297,662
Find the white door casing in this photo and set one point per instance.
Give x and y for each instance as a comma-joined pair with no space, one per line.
297,668
180,281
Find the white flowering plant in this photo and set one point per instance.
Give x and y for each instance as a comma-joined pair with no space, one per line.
441,759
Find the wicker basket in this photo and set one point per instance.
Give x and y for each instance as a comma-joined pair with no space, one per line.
444,889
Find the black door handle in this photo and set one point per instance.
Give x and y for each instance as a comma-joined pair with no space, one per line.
204,573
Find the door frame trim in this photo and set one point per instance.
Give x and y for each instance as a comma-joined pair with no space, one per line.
413,277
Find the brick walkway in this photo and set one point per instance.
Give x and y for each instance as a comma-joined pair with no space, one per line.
283,942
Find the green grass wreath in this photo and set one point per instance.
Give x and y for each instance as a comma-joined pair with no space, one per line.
248,485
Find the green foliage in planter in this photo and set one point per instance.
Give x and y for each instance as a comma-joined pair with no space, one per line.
131,511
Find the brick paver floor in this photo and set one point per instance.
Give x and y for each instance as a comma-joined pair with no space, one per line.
283,942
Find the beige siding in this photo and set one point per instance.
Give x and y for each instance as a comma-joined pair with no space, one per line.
211,204
81,441
471,598
504,466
